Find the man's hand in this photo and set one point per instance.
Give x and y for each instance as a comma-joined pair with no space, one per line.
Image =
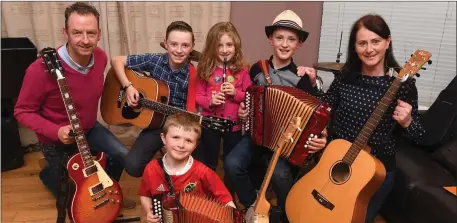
242,112
311,72
63,135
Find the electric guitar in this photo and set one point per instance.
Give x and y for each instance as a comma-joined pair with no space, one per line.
97,197
153,101
340,186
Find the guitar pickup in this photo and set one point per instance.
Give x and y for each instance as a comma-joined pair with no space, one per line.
99,205
99,196
96,189
322,200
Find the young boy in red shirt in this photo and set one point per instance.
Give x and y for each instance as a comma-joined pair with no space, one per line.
180,135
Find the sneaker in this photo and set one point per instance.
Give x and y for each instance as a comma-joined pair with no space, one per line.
128,204
249,215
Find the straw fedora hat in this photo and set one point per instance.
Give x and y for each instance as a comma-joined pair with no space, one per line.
288,19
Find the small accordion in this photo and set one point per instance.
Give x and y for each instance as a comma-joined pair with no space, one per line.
196,209
272,108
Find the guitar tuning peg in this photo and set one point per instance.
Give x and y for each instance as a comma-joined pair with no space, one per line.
418,75
423,68
429,62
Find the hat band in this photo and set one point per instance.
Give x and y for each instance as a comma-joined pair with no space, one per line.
289,23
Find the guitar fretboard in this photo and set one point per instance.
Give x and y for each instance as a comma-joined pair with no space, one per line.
80,139
163,108
364,135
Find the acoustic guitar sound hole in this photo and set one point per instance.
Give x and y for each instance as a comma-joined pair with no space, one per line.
340,172
129,112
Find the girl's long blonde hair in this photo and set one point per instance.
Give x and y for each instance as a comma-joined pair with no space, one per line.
208,59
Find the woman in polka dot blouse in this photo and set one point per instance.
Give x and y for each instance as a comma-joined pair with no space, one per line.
355,93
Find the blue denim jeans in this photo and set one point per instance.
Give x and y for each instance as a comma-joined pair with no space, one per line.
282,180
236,166
208,149
379,197
100,139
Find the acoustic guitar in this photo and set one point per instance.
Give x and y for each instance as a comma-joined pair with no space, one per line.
153,104
97,197
262,206
340,186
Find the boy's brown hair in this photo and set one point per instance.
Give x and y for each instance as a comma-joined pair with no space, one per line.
187,121
180,26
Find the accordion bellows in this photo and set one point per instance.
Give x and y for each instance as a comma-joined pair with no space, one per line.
197,209
200,209
272,108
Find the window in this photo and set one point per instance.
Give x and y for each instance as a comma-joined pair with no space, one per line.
414,25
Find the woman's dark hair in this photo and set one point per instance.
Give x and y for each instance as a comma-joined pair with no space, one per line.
376,24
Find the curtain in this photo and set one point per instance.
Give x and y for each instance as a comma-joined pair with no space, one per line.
127,28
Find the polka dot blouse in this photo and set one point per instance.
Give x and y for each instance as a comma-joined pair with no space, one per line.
355,100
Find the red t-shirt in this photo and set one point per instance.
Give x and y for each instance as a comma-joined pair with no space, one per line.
198,179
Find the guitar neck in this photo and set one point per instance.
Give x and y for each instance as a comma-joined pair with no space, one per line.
80,138
262,206
164,108
364,135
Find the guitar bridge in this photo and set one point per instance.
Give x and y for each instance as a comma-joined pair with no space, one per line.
322,200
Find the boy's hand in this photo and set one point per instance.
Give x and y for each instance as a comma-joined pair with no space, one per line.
315,144
150,218
228,88
311,72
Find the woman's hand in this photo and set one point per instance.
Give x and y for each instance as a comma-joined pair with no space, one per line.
402,113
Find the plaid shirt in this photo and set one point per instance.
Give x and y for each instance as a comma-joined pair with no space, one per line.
157,65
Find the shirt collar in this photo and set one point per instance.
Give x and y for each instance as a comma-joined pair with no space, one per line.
184,170
63,53
291,66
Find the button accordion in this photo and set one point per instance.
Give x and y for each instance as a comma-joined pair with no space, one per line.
196,209
270,111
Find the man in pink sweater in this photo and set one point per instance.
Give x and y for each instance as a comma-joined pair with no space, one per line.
40,106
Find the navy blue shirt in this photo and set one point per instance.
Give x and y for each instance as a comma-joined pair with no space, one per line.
355,101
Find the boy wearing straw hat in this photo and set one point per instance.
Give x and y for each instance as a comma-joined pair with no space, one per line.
285,35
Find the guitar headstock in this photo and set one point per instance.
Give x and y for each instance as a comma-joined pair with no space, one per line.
414,64
217,124
49,56
287,135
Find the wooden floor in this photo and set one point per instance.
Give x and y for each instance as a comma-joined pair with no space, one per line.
26,200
